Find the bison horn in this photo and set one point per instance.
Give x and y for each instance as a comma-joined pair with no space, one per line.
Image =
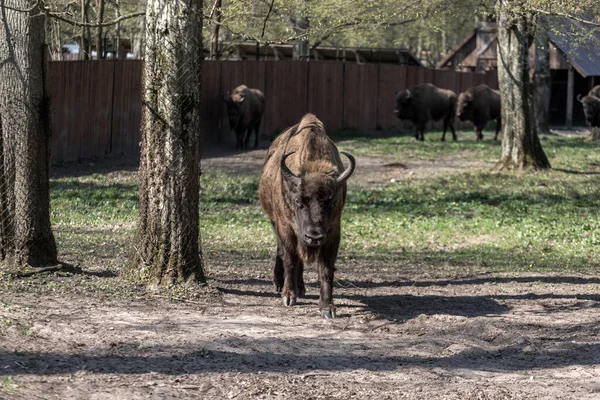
346,174
579,98
287,174
408,94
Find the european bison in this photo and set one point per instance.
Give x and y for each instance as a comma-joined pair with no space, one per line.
245,109
302,189
591,109
479,105
423,103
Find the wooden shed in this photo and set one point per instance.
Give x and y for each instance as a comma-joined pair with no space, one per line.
574,63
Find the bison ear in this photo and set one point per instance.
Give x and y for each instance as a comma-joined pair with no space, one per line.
290,179
346,174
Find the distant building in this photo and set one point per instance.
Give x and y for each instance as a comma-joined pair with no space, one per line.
574,63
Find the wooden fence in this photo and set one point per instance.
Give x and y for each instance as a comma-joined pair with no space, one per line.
96,105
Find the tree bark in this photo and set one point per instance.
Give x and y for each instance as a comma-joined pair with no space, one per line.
542,77
168,237
25,144
521,147
99,20
83,54
214,31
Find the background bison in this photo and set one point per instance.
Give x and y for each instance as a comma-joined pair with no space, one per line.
303,190
245,108
479,105
423,103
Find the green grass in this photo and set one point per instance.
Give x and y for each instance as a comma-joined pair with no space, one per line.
470,221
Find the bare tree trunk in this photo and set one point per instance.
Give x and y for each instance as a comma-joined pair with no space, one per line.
214,31
521,147
542,77
25,144
168,237
118,31
99,20
300,24
83,55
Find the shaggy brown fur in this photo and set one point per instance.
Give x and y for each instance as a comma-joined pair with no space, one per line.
304,207
479,105
245,108
423,103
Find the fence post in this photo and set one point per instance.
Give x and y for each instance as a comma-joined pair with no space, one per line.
112,109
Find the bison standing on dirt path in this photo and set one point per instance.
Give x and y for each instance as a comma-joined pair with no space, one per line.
479,105
302,189
423,103
245,108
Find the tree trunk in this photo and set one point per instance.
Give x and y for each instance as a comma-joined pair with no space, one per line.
99,20
521,147
25,145
542,77
118,31
83,54
300,24
214,31
168,237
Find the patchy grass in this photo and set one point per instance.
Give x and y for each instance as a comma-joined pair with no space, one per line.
451,223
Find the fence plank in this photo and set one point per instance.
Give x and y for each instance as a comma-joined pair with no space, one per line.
127,108
326,93
213,107
89,120
285,94
392,78
360,96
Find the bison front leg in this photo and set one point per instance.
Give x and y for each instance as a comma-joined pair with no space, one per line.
498,127
301,288
289,294
278,270
326,275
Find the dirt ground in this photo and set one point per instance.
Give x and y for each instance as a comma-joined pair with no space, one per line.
400,334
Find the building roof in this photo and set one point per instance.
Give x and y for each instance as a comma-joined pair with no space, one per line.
575,42
578,43
359,55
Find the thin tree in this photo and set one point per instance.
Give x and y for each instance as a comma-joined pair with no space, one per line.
521,147
99,21
27,236
168,237
215,17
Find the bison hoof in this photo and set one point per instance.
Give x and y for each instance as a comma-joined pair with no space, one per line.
278,287
329,312
288,301
442,139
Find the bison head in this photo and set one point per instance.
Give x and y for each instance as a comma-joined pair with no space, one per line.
234,108
591,109
464,108
404,105
314,198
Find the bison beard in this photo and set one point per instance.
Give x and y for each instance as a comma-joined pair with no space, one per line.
305,208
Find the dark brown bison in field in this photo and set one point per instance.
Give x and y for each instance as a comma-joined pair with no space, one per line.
423,103
302,189
479,105
245,109
591,109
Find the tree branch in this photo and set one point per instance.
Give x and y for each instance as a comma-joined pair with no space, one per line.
262,34
45,10
566,15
